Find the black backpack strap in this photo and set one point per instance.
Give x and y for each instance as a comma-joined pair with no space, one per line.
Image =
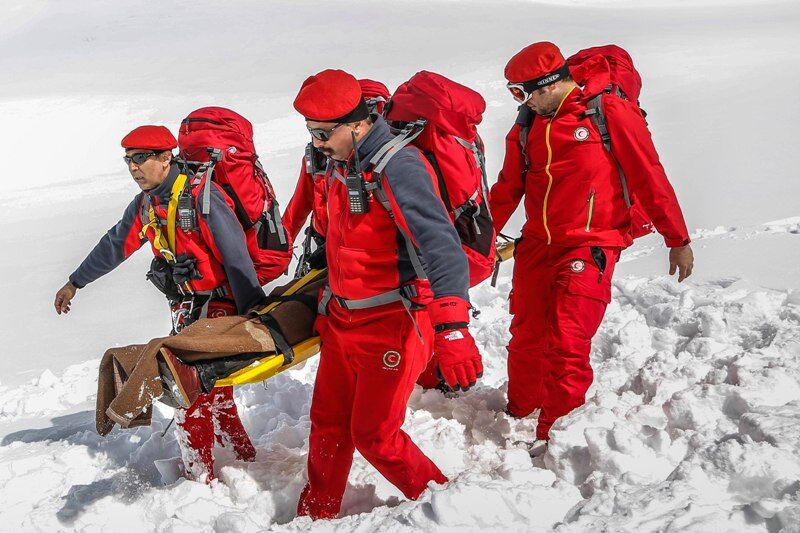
272,212
411,131
477,151
595,111
278,338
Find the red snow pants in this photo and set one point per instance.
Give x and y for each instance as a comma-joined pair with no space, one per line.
370,359
558,299
213,417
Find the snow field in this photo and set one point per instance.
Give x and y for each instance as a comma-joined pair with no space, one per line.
692,422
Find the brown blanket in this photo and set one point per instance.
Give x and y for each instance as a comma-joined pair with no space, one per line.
129,380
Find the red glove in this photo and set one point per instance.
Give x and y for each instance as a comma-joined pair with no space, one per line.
459,361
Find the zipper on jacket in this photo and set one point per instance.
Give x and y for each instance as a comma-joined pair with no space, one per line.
547,166
591,211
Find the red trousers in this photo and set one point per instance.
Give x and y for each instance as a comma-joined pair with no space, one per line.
212,418
558,299
369,362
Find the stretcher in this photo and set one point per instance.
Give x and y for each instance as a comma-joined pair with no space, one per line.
225,351
274,364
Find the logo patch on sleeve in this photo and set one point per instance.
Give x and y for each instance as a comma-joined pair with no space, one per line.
581,133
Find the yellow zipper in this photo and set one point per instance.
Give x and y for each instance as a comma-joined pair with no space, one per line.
591,211
547,167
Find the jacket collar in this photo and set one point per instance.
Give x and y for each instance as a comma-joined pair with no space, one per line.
378,135
164,190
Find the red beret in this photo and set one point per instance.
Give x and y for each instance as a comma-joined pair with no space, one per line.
149,138
331,96
534,62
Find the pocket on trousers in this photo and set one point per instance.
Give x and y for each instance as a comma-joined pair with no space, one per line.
587,284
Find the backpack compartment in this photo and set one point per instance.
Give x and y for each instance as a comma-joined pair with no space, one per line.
235,172
238,172
463,198
623,73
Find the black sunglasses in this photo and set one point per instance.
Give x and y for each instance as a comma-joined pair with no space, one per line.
139,158
323,134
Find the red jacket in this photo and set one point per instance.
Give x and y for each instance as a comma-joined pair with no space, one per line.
573,195
366,254
218,243
308,197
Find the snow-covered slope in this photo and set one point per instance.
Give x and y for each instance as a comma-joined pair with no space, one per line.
692,423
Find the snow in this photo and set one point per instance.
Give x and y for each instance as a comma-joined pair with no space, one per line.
693,421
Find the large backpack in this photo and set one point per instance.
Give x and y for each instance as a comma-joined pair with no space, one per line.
626,83
217,143
440,117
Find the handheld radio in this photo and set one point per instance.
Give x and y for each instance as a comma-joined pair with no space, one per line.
356,191
186,211
316,161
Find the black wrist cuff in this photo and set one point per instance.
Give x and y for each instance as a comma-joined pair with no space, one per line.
450,325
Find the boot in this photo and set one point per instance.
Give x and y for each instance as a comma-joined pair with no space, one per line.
181,381
195,431
228,426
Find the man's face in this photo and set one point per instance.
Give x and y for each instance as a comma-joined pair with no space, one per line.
340,141
544,101
151,172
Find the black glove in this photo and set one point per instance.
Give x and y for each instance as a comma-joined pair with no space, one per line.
184,269
317,259
160,275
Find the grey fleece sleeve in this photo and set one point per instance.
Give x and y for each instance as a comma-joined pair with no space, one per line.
412,191
114,248
230,241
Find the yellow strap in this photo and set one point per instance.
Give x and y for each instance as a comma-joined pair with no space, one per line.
296,286
172,209
159,242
